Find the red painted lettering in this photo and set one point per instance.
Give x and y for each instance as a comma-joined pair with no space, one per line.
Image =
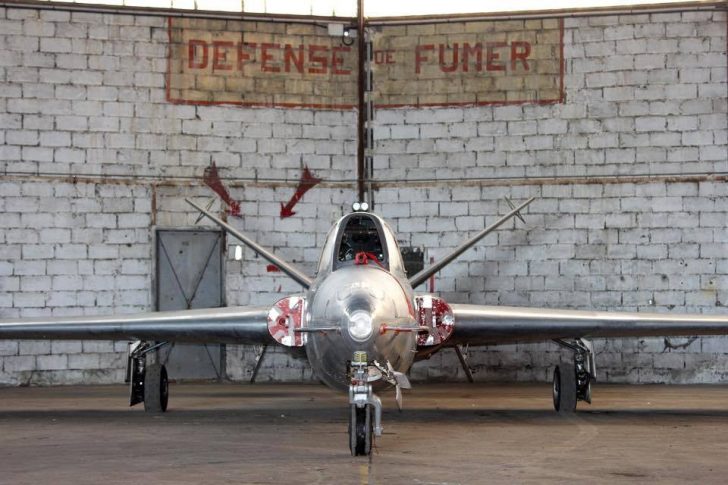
289,56
265,57
521,55
242,55
192,50
454,64
322,60
383,57
219,55
337,60
491,57
477,50
419,58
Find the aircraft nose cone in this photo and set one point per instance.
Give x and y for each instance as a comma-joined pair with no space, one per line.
359,301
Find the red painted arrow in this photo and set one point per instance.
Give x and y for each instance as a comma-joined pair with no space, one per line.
308,181
212,180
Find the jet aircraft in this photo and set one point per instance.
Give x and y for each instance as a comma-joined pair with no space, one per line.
362,324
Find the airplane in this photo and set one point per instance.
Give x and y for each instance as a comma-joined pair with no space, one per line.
362,324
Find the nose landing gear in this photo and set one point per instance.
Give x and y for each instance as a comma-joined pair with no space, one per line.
365,418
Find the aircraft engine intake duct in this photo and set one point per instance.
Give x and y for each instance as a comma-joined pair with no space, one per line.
434,314
285,321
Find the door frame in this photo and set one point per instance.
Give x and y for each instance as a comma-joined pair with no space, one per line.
223,290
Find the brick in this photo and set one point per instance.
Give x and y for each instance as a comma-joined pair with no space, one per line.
65,347
8,347
98,346
22,137
19,363
52,362
404,132
83,361
55,45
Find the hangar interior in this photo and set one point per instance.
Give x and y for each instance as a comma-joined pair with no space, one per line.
615,120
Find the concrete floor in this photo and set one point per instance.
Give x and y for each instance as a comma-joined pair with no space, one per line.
274,433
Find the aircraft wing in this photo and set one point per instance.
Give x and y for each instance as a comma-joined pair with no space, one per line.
235,325
484,325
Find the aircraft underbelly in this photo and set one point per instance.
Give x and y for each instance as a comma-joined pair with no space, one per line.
329,357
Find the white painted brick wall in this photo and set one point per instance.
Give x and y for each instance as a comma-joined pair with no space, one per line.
83,94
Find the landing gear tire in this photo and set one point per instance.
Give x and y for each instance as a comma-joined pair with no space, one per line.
360,430
156,388
565,389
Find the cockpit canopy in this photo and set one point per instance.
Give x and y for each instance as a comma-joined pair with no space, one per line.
359,235
361,232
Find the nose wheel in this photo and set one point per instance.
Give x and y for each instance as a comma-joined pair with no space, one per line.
360,430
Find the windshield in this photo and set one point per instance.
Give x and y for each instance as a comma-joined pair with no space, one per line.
361,234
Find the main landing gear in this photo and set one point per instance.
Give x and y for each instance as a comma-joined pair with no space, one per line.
572,381
147,378
365,416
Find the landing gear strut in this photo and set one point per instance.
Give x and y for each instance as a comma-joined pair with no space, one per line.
147,378
572,381
365,417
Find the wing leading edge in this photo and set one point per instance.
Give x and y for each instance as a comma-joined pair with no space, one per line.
240,325
482,325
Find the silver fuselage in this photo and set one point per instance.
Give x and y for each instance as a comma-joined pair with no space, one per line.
337,296
338,293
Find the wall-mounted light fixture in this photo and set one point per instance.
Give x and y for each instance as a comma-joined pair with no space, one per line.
347,34
350,33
